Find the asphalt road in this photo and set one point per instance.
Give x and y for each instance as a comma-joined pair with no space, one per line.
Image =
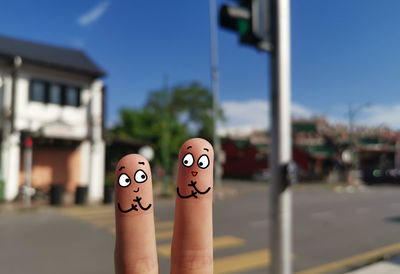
332,232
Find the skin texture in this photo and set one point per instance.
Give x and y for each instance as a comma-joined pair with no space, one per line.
192,250
135,245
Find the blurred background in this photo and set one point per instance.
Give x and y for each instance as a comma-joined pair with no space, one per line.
83,83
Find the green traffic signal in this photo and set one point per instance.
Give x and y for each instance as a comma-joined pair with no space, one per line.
243,26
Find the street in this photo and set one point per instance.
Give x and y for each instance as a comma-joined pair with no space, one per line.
333,231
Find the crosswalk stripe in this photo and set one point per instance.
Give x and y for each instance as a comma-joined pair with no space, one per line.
242,262
218,243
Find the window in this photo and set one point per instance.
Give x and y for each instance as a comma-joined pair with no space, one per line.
37,91
55,94
72,96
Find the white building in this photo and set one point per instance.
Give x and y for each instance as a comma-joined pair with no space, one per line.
55,95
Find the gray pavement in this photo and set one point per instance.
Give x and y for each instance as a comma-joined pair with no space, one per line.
333,232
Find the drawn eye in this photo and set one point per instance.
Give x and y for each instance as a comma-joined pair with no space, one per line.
140,176
188,160
124,180
203,161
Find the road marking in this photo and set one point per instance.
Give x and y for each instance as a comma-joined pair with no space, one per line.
354,260
164,224
218,243
162,235
243,262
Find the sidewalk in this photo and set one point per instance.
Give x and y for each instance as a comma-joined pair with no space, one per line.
391,266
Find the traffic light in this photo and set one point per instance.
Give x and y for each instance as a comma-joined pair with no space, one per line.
251,20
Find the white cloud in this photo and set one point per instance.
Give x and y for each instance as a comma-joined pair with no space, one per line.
94,14
378,115
299,111
242,117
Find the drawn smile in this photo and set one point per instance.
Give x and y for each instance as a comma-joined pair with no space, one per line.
133,206
194,192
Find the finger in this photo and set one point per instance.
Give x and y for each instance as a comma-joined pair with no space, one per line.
192,250
135,245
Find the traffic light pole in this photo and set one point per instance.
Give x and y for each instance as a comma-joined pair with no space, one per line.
280,155
215,92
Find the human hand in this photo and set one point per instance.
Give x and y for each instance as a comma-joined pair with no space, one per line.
135,246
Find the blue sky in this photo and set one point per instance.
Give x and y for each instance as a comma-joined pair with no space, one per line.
342,52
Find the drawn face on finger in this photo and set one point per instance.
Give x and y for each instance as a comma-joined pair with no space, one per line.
133,189
195,172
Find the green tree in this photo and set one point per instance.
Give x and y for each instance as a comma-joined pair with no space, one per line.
149,126
191,105
168,119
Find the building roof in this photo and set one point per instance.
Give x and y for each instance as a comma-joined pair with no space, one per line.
50,56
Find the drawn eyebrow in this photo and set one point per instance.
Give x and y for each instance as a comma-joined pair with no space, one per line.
189,147
121,168
141,163
206,149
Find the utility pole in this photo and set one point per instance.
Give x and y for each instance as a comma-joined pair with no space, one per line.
281,147
165,141
215,92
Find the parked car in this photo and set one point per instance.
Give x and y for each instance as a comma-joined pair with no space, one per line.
381,176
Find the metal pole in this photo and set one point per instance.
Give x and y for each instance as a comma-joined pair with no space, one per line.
28,172
165,142
215,91
280,156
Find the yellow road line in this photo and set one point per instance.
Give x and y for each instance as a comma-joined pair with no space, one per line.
162,235
354,260
243,262
218,243
164,224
